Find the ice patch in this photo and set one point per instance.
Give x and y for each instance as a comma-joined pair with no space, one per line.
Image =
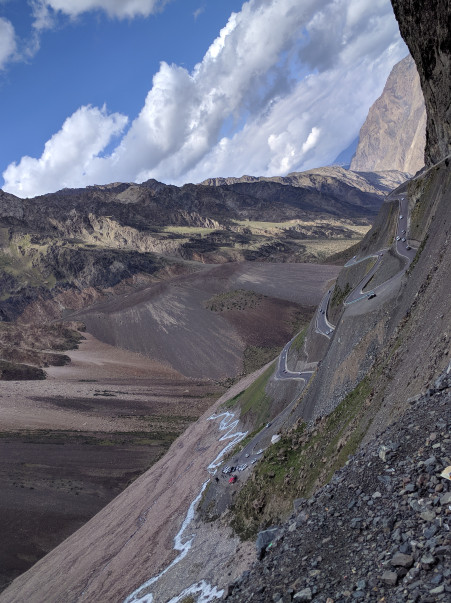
207,592
227,424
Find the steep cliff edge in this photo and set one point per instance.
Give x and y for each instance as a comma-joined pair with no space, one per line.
394,133
426,28
386,353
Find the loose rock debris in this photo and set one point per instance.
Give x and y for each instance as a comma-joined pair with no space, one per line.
379,531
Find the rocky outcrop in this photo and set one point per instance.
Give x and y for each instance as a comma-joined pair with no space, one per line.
426,28
378,530
394,133
332,180
10,206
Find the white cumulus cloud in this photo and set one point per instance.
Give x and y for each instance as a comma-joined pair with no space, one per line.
7,42
121,9
285,86
68,155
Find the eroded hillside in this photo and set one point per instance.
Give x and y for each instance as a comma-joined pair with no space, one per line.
362,371
384,351
365,388
102,236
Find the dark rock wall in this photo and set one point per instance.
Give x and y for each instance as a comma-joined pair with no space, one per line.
425,26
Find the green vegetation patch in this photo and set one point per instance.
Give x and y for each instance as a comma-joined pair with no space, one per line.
254,403
238,299
298,341
299,463
420,192
339,295
417,255
255,357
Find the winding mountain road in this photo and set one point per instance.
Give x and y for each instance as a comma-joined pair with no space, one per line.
322,325
282,371
401,247
244,460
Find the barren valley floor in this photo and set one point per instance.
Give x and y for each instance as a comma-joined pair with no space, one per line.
71,443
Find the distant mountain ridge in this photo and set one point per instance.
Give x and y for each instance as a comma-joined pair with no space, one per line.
394,133
318,178
331,190
102,235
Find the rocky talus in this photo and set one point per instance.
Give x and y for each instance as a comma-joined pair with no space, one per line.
394,133
379,531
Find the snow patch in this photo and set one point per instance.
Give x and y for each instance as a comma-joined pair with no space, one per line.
184,547
206,591
227,424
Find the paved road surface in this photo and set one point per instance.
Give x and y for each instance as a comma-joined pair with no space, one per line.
282,371
402,248
322,325
253,450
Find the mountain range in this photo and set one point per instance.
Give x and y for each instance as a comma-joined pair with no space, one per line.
321,472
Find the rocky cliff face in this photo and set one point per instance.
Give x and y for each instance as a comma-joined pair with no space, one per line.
11,207
332,182
425,25
394,133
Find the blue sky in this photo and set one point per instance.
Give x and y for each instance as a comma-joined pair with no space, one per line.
96,91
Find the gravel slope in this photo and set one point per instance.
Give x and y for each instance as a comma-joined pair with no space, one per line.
379,531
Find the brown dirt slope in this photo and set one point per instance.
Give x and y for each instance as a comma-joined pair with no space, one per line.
172,321
131,539
71,443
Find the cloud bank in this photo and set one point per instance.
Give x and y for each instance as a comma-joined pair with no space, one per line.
285,86
70,152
